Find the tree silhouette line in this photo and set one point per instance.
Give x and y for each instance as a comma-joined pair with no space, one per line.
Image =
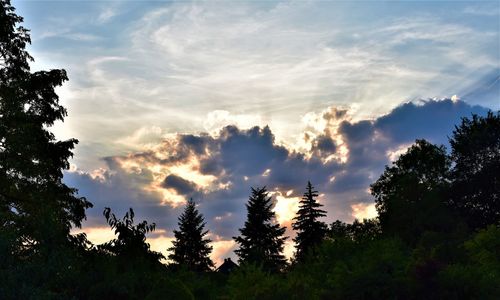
437,234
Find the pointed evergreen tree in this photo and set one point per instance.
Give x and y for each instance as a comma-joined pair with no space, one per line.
261,240
190,248
310,231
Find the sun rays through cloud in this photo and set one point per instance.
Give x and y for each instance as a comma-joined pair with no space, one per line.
173,100
217,169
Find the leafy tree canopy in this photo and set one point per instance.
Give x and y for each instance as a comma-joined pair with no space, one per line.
36,207
475,145
131,239
410,195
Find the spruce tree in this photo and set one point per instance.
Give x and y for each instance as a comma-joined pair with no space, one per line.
191,249
310,231
261,240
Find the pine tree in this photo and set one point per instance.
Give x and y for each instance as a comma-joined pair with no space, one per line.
310,231
261,240
190,248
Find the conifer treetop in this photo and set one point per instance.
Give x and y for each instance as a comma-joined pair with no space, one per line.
310,231
261,238
191,248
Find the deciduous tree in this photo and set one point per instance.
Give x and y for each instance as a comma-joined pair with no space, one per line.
410,195
475,145
36,207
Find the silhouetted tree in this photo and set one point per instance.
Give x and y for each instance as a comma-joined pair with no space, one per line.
310,231
191,248
37,210
475,151
338,230
261,240
410,196
131,239
368,229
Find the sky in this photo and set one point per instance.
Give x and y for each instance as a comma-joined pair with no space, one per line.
204,99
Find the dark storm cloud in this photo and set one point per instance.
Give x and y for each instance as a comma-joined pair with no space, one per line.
240,159
198,144
432,120
370,141
120,191
249,152
179,184
323,146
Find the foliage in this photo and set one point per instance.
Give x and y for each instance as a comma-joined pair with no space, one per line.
368,229
310,231
475,145
477,274
190,247
348,269
437,235
410,195
31,159
261,240
252,282
37,210
167,288
131,239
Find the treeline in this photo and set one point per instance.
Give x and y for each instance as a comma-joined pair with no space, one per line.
437,235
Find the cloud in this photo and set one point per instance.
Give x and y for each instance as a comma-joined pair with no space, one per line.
486,90
483,10
424,119
328,78
362,211
222,249
107,14
218,170
179,184
253,64
218,119
323,146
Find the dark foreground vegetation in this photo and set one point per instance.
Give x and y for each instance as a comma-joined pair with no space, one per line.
437,235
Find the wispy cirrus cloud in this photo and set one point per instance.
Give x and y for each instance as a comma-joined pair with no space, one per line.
328,78
483,9
258,63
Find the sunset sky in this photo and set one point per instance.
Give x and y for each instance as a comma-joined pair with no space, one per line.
204,99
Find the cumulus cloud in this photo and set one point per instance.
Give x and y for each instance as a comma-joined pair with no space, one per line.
218,170
179,184
169,65
362,211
